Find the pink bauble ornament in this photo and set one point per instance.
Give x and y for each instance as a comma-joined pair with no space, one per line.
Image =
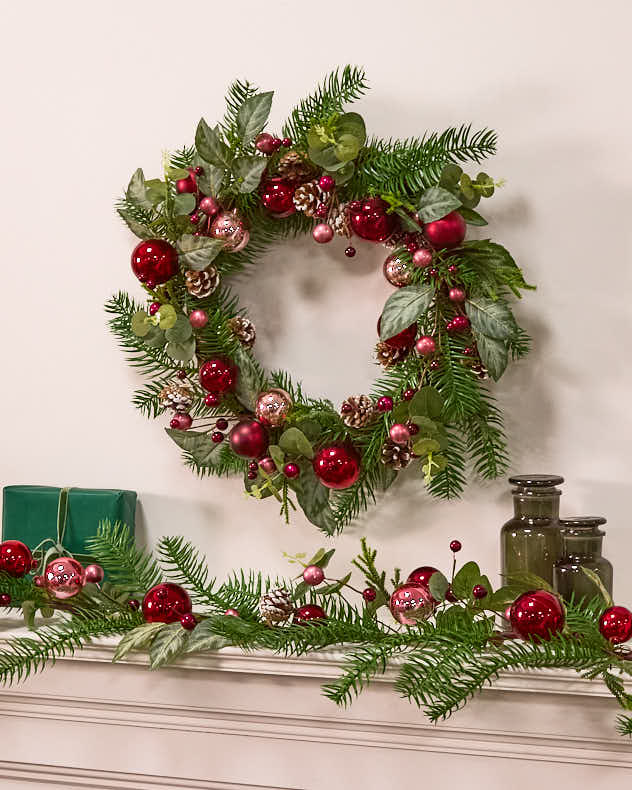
449,231
218,375
291,470
272,407
166,603
537,614
422,257
231,613
326,183
309,612
399,433
313,575
396,271
209,206
248,439
277,195
93,574
15,558
181,421
369,220
154,262
411,603
63,578
323,233
425,346
198,319
229,227
615,624
457,295
267,465
337,466
264,143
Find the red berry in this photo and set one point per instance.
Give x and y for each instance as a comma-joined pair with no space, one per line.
291,470
322,211
252,475
326,183
134,605
199,171
455,545
194,218
346,408
369,594
411,247
5,599
435,364
433,272
413,428
154,307
217,437
174,423
211,399
188,621
450,596
453,268
470,351
479,592
231,613
221,424
286,142
350,252
253,466
181,374
313,575
277,143
408,394
385,403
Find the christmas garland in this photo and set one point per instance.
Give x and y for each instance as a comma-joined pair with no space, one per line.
446,328
442,637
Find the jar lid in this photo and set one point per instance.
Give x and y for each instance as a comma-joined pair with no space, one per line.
588,522
536,481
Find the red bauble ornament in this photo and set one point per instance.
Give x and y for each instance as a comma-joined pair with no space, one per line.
537,614
326,183
188,184
209,206
154,262
264,142
411,603
63,578
425,346
188,621
181,421
385,403
337,466
399,433
218,375
211,400
370,221
313,575
248,438
403,339
455,546
277,195
421,575
15,558
369,594
422,257
311,611
229,227
291,470
166,603
615,624
93,574
457,295
396,271
460,323
323,233
449,231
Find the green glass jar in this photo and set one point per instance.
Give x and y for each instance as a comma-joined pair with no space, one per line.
582,540
532,540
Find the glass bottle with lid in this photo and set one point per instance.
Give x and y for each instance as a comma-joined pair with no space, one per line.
532,541
582,540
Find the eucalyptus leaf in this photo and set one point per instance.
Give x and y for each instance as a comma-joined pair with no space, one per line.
428,402
203,638
211,147
311,428
403,308
401,412
486,185
248,171
197,444
176,173
167,317
169,643
137,228
425,446
326,158
253,115
140,324
428,429
491,317
438,585
450,176
137,639
313,497
198,252
351,124
181,351
155,338
136,190
436,203
184,203
465,185
294,442
347,148
180,331
249,381
277,455
493,353
472,217
156,191
344,174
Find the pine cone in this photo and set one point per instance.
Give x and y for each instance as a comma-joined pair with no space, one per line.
202,284
358,411
340,221
308,197
176,397
244,330
387,356
276,606
396,456
295,167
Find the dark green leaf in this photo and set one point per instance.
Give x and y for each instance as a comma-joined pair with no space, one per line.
253,115
180,331
155,338
181,351
472,217
249,381
211,147
184,203
211,178
138,639
401,412
407,222
435,203
277,455
169,643
465,579
314,499
198,252
528,581
450,176
403,308
438,586
324,559
248,171
427,402
335,587
494,355
197,444
136,192
491,317
137,228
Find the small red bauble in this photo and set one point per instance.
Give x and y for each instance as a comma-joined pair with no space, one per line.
198,170
337,466
326,183
264,142
134,605
615,624
267,465
369,594
277,195
455,545
425,346
457,295
93,574
411,603
311,611
154,262
350,252
403,339
399,433
537,614
154,307
231,613
198,319
408,394
188,184
181,421
221,424
313,575
209,206
181,374
211,399
188,621
450,596
460,323
323,233
166,603
449,231
370,221
63,578
469,351
217,437
421,575
5,599
248,438
413,428
291,470
218,375
15,558
422,257
286,142
479,592
385,403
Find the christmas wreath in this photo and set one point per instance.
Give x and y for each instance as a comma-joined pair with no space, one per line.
446,328
443,636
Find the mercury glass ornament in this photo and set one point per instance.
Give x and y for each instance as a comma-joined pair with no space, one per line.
63,578
229,227
396,271
581,540
410,603
272,407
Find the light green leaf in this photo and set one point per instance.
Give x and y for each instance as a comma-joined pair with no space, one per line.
198,252
136,191
181,330
326,158
428,429
491,317
294,442
347,148
424,446
277,455
450,176
324,559
344,174
167,317
137,639
181,351
403,308
438,586
253,115
140,323
493,353
435,203
472,217
197,444
155,338
352,124
156,190
427,402
211,147
176,173
401,412
210,179
248,171
465,184
137,228
169,643
203,638
184,203
486,183
249,380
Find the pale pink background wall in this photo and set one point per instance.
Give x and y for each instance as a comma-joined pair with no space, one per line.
94,90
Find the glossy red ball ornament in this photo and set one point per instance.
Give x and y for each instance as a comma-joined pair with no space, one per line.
267,465
350,252
399,433
218,375
322,211
422,257
209,206
188,621
403,339
63,578
264,143
425,346
615,624
186,185
369,220
411,603
166,603
277,143
15,558
369,594
277,195
194,218
211,400
291,470
249,439
460,323
385,403
326,183
421,575
457,295
308,613
198,319
455,545
449,231
181,421
5,599
154,262
323,233
313,575
93,574
337,466
221,424
537,614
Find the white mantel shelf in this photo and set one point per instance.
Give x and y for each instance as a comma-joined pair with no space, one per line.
256,720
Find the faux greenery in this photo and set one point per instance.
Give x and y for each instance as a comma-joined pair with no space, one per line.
421,180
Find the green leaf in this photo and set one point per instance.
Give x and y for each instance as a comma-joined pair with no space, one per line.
335,587
424,446
427,402
169,643
184,203
211,147
347,148
203,638
197,444
493,353
181,351
156,190
211,178
596,580
249,380
294,442
300,591
493,266
450,176
140,323
472,217
406,221
167,317
403,308
503,597
435,203
176,173
324,559
180,331
465,579
136,190
527,581
351,123
491,317
428,429
277,455
401,412
344,174
327,158
29,608
137,228
438,586
465,185
253,115
248,171
486,183
138,639
155,338
198,252
314,499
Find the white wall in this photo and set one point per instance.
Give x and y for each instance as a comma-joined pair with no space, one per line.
94,90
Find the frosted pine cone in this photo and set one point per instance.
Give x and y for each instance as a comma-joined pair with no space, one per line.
176,397
387,356
294,167
308,198
340,221
358,411
276,606
396,456
202,284
244,330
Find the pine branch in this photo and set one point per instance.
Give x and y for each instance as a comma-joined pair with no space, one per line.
184,565
450,482
486,442
624,725
125,563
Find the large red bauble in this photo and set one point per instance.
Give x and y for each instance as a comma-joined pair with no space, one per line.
15,558
277,195
249,438
218,375
369,219
422,576
337,466
537,614
166,603
64,578
403,339
615,624
311,611
154,262
411,603
447,231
